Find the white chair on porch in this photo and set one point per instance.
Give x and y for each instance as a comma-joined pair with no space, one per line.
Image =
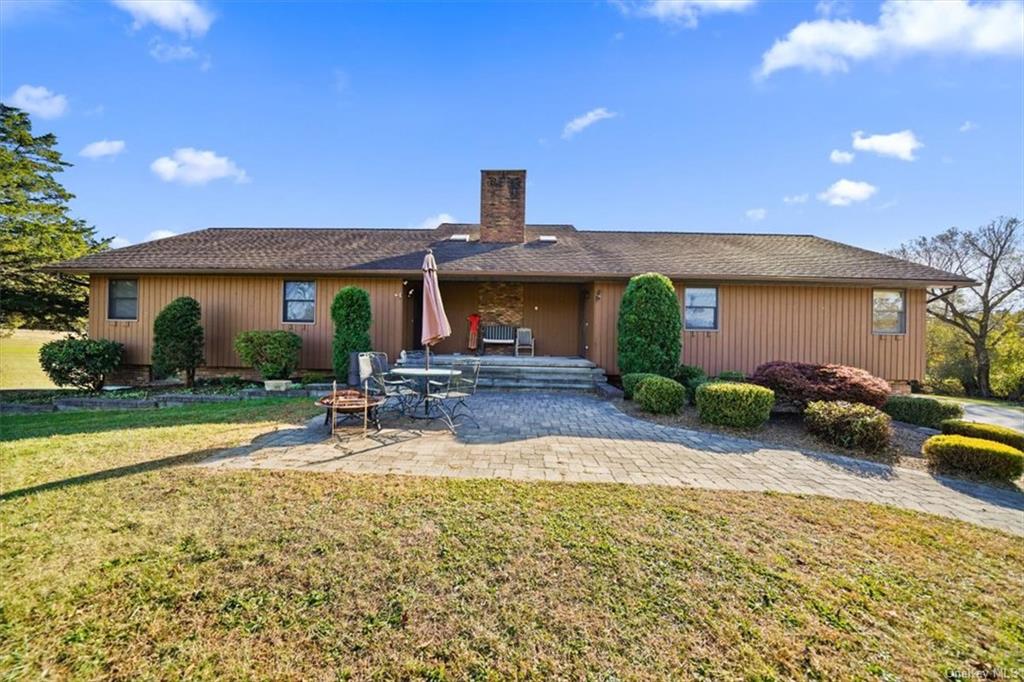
524,340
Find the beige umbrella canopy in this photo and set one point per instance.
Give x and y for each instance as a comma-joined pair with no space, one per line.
435,322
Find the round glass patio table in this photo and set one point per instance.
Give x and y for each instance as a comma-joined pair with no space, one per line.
425,375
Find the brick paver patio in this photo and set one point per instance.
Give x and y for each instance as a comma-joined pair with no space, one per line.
565,437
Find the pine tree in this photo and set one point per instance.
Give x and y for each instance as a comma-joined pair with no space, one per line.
36,229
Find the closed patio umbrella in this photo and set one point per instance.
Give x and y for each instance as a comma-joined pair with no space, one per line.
435,322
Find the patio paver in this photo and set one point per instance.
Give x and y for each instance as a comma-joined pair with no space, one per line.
579,438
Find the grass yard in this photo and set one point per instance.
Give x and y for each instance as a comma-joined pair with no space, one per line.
19,359
121,561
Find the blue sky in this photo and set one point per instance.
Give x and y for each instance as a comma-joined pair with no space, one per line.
702,115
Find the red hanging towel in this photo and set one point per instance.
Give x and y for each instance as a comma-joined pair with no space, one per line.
474,330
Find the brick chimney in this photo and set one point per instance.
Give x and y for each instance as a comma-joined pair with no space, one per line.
503,206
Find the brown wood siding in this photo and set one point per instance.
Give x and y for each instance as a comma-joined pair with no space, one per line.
460,301
552,312
233,304
799,323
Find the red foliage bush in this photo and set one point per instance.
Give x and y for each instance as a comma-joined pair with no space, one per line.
802,383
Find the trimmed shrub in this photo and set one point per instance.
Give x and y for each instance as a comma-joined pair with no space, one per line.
178,339
1000,434
731,375
729,403
351,314
921,411
691,377
274,354
649,326
660,395
82,363
630,382
802,383
850,425
983,458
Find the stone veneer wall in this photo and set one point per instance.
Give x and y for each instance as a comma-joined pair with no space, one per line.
501,303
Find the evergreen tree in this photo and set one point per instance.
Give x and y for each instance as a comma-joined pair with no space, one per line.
178,339
36,229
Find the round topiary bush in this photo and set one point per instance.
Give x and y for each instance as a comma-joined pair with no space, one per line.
660,395
974,456
849,425
274,354
727,403
921,411
351,314
178,339
800,383
649,326
78,362
1000,434
630,382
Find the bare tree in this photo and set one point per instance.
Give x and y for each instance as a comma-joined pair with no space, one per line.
993,256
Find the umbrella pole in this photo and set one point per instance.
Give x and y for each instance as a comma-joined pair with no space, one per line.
428,356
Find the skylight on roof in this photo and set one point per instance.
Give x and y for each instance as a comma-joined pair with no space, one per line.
459,238
549,238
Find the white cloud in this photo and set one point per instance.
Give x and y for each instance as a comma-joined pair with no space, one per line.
119,243
165,52
184,17
904,27
844,192
435,220
95,150
682,12
900,145
795,199
588,119
832,8
39,101
196,167
968,126
839,156
756,214
159,234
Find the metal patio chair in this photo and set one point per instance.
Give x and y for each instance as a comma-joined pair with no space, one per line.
399,394
461,387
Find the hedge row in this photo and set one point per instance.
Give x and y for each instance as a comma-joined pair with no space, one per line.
921,411
1000,434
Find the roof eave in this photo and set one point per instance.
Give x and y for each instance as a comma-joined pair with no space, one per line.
470,274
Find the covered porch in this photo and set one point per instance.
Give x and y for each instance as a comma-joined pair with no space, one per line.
555,312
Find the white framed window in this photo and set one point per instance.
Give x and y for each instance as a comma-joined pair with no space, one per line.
123,299
888,311
300,301
700,309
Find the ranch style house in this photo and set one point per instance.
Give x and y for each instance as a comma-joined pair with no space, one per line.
745,298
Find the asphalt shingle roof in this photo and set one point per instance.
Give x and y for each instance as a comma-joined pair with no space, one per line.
577,253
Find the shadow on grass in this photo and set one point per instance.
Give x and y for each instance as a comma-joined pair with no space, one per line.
107,474
19,426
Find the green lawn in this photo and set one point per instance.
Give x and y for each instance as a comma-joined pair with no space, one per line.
119,560
19,359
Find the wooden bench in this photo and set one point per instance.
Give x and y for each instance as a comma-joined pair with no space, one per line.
497,335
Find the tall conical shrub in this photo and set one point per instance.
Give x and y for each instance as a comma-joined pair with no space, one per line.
350,312
178,339
649,326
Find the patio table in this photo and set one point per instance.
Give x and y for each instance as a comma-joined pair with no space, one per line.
425,375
